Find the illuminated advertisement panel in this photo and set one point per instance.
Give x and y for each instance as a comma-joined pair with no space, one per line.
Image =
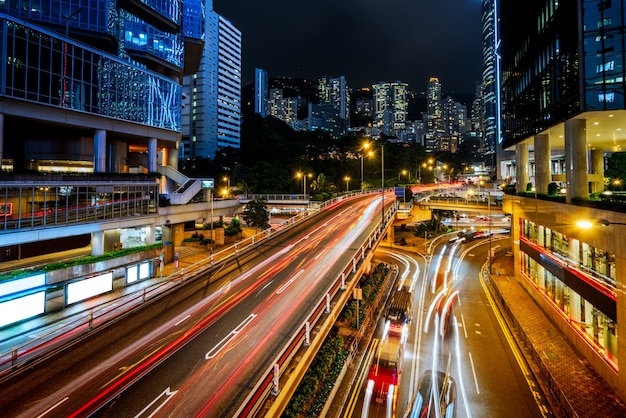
144,271
131,273
20,285
90,287
22,308
138,272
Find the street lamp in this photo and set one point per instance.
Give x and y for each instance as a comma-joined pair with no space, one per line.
227,181
365,146
382,176
588,223
489,215
304,176
347,179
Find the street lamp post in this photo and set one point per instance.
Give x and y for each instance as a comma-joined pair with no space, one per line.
347,179
227,181
382,174
588,223
304,177
365,147
489,260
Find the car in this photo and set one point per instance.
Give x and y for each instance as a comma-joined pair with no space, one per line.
439,403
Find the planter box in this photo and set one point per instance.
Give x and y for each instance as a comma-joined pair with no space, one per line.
74,272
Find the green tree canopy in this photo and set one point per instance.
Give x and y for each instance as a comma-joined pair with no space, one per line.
256,215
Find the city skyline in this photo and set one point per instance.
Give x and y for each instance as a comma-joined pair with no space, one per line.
279,39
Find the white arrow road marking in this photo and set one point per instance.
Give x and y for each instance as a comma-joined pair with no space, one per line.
167,394
222,344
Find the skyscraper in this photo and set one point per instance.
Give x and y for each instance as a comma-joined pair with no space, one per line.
261,93
490,82
215,90
390,107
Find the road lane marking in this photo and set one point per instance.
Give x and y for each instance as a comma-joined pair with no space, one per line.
52,407
464,327
222,344
288,283
474,372
182,320
167,393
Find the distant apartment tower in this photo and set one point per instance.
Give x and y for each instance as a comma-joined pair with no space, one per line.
390,107
335,92
283,108
363,106
215,92
261,93
454,124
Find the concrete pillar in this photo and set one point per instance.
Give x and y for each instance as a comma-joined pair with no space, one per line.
172,157
574,252
117,156
152,155
576,159
99,151
597,168
574,306
543,175
165,152
150,234
521,167
97,243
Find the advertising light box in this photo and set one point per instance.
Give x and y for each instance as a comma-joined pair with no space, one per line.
20,285
90,287
22,308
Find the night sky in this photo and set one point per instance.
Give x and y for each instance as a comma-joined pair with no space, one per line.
366,41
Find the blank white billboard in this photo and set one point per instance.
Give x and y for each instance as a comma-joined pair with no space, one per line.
22,308
90,287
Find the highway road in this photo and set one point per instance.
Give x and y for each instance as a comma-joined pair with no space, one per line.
199,350
476,349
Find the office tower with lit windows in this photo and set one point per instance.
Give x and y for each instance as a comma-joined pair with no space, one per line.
390,107
334,91
490,85
215,90
261,92
563,113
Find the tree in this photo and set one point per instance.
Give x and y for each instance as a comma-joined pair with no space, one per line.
255,214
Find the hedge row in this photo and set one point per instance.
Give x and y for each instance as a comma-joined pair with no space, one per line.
317,383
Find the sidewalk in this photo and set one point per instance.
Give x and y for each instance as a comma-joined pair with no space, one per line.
558,366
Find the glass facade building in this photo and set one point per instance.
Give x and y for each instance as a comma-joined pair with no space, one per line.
90,88
563,113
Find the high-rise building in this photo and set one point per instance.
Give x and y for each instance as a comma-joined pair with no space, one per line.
333,112
335,92
283,108
490,83
563,114
390,107
215,91
261,92
433,103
